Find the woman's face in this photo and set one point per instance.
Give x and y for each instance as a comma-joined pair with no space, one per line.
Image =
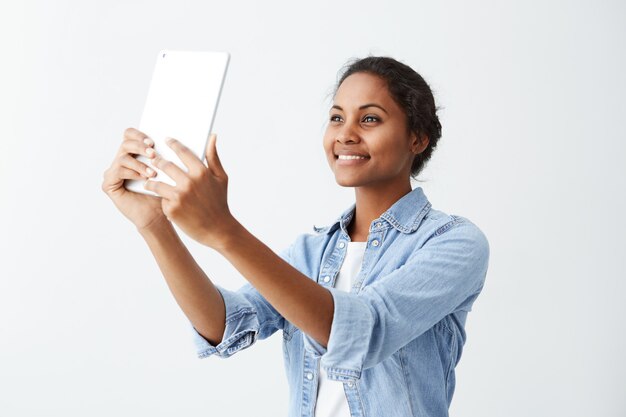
365,120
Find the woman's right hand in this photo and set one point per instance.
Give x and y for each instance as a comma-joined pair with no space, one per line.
140,209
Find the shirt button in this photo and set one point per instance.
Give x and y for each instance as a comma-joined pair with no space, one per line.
326,278
375,242
350,384
309,376
342,245
377,225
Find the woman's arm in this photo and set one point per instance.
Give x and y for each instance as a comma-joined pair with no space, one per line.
197,203
300,300
193,290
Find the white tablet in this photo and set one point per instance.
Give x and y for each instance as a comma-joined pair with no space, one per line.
181,103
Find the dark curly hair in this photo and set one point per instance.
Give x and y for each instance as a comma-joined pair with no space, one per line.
411,92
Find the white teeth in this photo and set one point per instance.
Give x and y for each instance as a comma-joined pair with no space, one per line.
351,157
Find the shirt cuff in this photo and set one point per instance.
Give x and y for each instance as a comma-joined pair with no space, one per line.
241,330
348,341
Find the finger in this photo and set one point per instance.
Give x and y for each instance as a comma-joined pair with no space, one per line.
114,177
133,163
133,134
124,173
135,147
213,160
160,188
191,161
171,169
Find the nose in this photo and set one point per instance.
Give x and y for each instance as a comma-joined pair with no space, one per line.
347,134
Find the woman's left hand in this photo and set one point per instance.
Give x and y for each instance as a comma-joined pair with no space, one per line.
198,202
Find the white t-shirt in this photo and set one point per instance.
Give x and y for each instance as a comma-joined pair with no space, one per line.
331,398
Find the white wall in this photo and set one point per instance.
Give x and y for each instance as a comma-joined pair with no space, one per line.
532,151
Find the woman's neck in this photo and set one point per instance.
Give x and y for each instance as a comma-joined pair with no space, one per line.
370,204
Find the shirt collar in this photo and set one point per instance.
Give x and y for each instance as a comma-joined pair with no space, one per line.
405,214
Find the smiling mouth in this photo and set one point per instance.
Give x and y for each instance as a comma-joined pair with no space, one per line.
349,161
351,157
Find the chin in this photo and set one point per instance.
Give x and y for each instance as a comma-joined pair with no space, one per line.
348,182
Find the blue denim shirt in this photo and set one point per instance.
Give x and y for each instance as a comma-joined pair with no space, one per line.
397,336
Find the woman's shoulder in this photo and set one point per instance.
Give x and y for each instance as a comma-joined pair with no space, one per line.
439,224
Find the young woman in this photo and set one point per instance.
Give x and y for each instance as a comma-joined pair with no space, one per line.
372,307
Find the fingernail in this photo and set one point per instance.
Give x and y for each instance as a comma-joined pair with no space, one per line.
169,141
148,141
150,171
150,151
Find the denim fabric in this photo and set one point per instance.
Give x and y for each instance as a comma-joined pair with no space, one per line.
397,336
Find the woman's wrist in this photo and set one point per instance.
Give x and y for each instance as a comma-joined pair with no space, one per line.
228,235
158,225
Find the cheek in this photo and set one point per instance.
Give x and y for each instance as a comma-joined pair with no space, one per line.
327,143
388,157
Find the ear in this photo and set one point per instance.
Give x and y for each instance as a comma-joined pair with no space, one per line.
418,145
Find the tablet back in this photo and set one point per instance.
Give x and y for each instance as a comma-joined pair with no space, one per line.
181,103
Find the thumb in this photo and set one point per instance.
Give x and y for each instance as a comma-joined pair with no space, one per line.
212,159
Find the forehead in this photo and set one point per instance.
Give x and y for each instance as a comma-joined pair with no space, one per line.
360,88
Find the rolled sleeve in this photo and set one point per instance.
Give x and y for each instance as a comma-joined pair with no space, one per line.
249,317
241,327
346,352
443,276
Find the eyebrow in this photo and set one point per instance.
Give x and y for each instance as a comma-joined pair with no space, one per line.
362,107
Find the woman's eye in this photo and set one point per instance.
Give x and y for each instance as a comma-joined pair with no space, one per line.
368,119
335,118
